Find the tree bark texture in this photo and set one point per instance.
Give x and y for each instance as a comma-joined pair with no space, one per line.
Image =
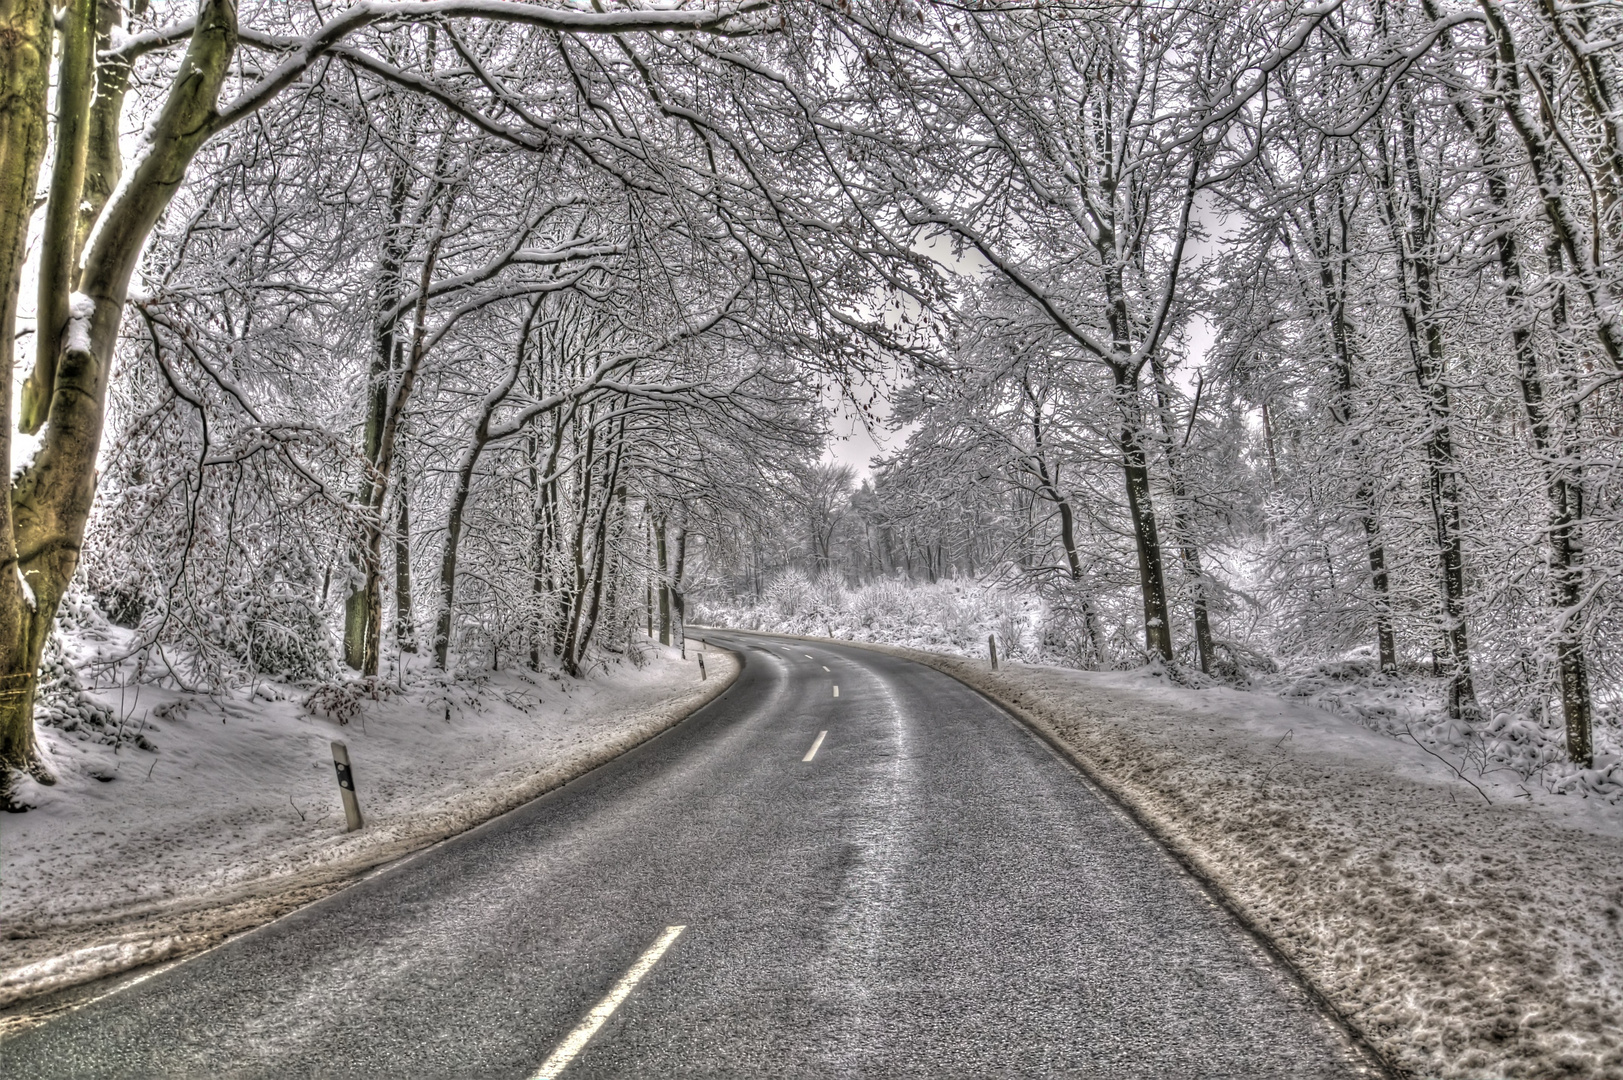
51,499
24,87
1141,507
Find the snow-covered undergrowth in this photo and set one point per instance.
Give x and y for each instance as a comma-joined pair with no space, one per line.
1468,930
946,616
179,816
956,617
1509,743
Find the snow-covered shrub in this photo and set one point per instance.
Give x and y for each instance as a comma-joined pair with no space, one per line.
790,596
60,701
1011,635
341,699
1237,663
284,636
1529,744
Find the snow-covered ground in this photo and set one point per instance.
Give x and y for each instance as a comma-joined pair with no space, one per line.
1469,925
179,818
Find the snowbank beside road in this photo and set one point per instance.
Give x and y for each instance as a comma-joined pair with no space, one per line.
137,855
1465,933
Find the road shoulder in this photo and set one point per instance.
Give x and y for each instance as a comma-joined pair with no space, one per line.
224,865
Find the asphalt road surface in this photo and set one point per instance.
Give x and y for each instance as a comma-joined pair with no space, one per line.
933,893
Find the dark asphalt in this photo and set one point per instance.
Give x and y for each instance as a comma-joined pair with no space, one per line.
935,894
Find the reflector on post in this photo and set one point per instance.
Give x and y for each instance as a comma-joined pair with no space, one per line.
346,785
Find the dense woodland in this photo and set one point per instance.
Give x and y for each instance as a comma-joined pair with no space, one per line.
360,338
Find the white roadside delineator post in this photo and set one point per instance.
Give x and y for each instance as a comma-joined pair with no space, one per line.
991,645
346,785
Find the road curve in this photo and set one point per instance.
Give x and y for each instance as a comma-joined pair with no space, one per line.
934,893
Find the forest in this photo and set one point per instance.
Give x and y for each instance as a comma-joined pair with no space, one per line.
359,341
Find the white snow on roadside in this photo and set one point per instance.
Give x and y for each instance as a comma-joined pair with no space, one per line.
240,794
82,965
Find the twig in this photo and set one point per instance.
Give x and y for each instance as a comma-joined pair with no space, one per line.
1449,763
295,807
1283,757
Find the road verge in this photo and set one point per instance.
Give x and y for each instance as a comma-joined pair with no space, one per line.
246,867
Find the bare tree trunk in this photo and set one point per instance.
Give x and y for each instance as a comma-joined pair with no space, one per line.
1146,538
1442,461
393,417
664,584
1564,482
1188,552
464,486
547,535
1583,253
679,602
577,584
612,495
1563,476
1571,25
58,246
25,64
405,623
1332,253
648,552
385,361
1090,611
1048,485
1413,240
532,446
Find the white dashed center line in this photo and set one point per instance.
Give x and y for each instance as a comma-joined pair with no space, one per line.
836,691
808,656
825,667
815,744
577,1039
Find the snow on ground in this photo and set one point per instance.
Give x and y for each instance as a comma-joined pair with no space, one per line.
952,615
1468,925
233,816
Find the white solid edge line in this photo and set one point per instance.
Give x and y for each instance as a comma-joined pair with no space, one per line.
815,744
576,1041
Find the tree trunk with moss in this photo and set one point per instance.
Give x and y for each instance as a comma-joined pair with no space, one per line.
24,85
51,498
